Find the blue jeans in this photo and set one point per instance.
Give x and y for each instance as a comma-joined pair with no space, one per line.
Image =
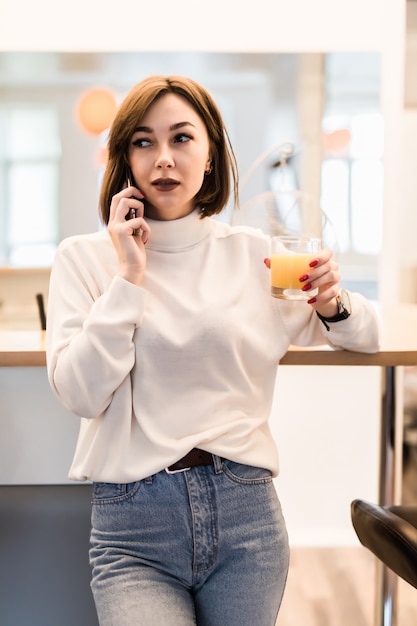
204,547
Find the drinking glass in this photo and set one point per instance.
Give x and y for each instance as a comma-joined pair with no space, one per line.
290,258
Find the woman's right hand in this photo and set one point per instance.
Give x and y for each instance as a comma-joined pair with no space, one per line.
129,236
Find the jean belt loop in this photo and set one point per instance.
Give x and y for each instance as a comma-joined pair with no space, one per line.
218,464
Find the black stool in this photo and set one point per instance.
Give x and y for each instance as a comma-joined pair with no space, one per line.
390,532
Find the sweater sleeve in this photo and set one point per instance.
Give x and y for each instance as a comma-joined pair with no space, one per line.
91,322
360,332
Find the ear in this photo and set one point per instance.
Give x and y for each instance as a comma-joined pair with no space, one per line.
209,168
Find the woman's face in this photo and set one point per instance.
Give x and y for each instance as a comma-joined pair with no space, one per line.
168,155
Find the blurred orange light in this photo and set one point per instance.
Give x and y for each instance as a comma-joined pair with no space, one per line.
96,109
336,143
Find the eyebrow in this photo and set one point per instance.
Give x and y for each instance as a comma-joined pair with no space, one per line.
148,129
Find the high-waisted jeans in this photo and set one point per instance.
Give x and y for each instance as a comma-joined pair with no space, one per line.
204,547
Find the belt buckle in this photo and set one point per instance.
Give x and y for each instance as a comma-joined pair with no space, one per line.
178,471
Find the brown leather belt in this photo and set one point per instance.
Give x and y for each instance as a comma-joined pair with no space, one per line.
192,459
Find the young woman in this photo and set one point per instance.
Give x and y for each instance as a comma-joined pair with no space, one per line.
164,338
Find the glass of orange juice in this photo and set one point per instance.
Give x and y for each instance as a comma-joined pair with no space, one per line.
290,258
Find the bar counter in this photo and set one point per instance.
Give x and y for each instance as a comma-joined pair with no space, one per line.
22,348
399,345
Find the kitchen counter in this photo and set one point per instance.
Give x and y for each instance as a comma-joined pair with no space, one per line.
399,345
22,348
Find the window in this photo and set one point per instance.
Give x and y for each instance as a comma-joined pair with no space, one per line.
352,168
352,183
29,191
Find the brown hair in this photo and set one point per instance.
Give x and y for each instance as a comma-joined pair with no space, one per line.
215,190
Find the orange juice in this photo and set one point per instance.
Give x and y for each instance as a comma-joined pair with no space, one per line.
286,269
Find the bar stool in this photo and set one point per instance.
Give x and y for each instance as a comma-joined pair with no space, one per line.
390,532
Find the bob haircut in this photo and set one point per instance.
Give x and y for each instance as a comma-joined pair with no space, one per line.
215,190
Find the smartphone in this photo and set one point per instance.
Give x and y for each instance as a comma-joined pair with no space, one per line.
132,212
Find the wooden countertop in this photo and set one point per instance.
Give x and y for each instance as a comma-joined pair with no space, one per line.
399,345
22,348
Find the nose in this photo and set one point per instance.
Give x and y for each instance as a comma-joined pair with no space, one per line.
164,158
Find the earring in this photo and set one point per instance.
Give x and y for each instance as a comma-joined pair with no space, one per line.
208,170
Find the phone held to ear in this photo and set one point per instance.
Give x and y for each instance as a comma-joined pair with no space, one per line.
132,212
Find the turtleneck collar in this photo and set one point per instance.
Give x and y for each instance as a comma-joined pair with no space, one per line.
174,235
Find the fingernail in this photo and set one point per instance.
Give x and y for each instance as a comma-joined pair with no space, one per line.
312,301
306,287
303,278
313,263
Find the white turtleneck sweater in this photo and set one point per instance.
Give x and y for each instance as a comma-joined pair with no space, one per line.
188,359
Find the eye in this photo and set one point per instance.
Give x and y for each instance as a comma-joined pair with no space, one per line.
182,138
141,142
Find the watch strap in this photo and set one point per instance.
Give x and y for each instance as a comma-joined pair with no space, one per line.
344,310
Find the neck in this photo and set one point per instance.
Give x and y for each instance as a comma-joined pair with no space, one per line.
178,234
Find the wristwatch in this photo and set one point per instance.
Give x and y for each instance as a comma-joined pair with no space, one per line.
343,309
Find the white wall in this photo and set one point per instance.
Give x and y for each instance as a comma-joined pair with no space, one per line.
407,200
267,25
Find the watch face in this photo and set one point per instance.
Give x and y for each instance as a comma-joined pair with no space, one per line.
344,303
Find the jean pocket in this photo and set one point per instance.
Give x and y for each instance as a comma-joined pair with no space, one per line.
246,474
109,493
